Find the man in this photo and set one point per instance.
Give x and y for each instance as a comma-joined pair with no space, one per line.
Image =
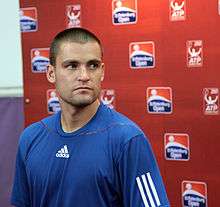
87,155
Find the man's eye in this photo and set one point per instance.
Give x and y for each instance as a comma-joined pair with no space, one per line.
72,66
93,65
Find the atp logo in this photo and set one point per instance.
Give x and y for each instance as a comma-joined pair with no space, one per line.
194,194
53,105
73,16
211,101
142,55
176,146
177,10
194,50
108,97
124,12
219,7
28,19
159,100
39,60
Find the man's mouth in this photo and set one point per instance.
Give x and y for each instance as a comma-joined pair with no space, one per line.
83,88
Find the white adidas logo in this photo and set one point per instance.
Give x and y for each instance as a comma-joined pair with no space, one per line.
63,152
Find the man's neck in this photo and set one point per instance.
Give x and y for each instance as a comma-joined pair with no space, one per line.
73,118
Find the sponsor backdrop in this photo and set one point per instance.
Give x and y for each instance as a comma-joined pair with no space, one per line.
162,71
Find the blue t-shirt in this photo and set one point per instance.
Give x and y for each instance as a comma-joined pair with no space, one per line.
106,163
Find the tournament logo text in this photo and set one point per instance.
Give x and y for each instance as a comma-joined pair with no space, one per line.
194,50
108,97
39,59
177,10
142,55
53,105
73,16
219,7
176,146
211,101
159,100
194,194
124,12
28,19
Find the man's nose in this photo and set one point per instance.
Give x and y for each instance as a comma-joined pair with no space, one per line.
83,73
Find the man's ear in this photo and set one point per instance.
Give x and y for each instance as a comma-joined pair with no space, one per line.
51,77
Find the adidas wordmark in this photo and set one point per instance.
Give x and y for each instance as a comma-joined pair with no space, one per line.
63,152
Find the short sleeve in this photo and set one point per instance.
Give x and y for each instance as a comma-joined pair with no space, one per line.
140,180
20,192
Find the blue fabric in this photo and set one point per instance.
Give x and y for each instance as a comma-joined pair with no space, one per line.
97,165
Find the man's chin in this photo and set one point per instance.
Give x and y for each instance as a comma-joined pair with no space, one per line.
80,100
82,103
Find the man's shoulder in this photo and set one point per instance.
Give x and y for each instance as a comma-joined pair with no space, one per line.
122,131
36,126
34,130
121,125
124,120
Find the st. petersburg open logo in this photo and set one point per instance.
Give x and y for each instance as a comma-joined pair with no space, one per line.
142,55
28,19
124,12
194,194
53,105
176,146
39,60
159,100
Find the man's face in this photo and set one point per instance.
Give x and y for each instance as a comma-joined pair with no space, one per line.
78,73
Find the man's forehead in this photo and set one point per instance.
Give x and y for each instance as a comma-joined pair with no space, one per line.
77,45
87,47
80,51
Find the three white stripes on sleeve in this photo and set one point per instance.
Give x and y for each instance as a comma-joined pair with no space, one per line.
149,189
